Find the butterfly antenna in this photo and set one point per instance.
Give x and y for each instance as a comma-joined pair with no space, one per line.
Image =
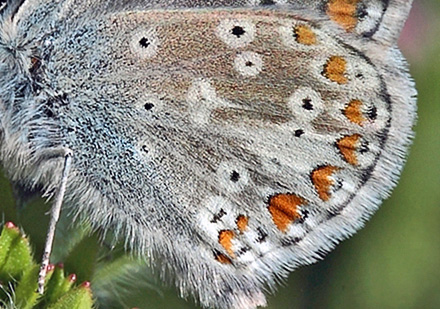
54,216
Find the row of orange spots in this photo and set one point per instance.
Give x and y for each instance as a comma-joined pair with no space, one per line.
322,181
225,240
304,35
347,146
343,12
284,209
335,69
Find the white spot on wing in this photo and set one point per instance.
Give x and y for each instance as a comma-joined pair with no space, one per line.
202,99
248,64
236,33
232,177
306,104
144,43
150,98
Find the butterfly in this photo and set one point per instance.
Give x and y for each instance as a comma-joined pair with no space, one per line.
229,141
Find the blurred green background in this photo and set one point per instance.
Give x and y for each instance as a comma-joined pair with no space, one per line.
394,262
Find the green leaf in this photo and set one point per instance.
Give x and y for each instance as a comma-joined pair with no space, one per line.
59,284
15,253
80,297
21,272
26,295
9,233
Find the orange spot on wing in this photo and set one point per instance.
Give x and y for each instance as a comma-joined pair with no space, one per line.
305,35
343,12
242,223
225,239
222,258
347,146
322,181
284,209
335,69
354,113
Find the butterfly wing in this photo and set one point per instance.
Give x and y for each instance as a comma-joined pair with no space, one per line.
231,143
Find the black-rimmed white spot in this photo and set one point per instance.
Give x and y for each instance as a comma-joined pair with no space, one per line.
144,43
248,64
236,33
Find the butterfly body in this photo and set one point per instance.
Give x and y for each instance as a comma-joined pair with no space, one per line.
230,142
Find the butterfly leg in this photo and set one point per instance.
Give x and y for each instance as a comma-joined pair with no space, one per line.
54,216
